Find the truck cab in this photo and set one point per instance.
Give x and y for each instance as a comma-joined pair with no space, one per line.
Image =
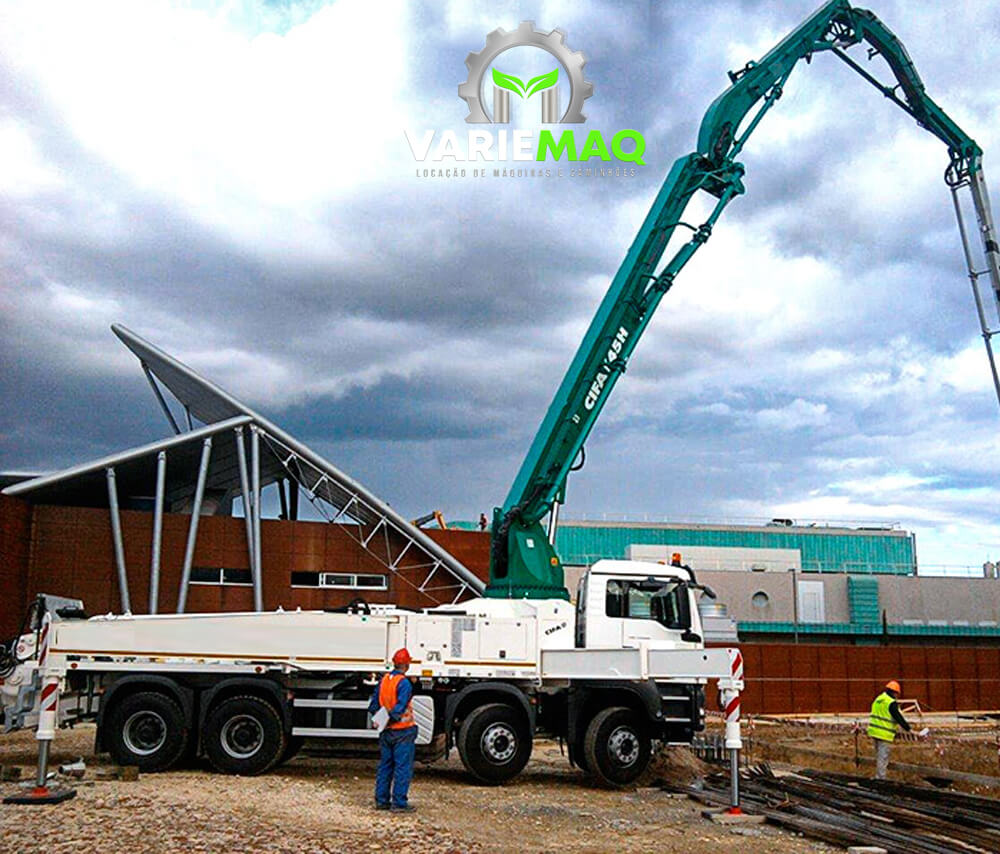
630,604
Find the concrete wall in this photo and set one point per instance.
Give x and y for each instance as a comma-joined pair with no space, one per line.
737,589
974,600
918,600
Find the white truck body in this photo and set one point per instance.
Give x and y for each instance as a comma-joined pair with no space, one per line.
634,632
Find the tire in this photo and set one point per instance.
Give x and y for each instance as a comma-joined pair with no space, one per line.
146,729
244,735
293,744
616,747
579,757
494,743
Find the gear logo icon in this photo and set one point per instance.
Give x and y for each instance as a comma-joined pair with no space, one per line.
498,41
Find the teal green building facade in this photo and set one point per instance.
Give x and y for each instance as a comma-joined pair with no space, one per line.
822,548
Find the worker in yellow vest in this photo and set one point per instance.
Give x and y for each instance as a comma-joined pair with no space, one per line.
398,738
885,720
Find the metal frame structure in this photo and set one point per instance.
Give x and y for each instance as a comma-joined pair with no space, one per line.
274,457
338,498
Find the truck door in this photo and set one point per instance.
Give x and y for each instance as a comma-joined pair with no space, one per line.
650,610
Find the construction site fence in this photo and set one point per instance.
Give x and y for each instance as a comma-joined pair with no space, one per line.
809,679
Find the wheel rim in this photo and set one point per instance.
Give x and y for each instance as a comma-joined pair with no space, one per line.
623,746
144,732
499,743
242,736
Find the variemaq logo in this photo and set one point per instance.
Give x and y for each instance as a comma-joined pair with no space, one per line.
491,66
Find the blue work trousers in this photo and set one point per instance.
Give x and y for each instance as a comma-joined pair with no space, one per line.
395,765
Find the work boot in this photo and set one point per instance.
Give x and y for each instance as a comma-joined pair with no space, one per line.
379,806
404,808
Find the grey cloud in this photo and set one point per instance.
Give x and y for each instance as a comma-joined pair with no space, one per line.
502,270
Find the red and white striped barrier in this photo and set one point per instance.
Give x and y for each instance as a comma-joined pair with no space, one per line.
731,701
734,742
49,702
47,707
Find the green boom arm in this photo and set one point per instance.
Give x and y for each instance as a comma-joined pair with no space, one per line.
523,562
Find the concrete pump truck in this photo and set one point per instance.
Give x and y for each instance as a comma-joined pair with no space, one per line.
622,669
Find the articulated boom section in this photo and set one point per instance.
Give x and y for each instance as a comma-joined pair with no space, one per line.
523,562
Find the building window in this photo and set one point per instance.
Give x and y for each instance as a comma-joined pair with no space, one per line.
760,599
211,575
341,580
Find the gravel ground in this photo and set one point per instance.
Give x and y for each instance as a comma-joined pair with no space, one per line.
325,805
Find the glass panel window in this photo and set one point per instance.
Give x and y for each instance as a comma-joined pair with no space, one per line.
220,575
368,581
305,579
646,600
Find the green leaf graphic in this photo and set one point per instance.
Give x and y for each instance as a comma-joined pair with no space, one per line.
508,81
543,81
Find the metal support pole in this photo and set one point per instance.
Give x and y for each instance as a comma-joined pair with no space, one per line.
734,784
43,764
159,397
982,206
283,499
241,456
116,534
293,500
987,231
154,564
199,494
258,587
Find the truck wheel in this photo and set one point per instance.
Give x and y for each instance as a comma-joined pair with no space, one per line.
146,729
244,735
494,743
580,758
616,747
293,744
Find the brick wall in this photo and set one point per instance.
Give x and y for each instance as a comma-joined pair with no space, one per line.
68,551
15,547
826,678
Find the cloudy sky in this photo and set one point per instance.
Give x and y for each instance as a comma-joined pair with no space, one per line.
235,184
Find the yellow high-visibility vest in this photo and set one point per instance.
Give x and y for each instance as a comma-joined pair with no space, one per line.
881,724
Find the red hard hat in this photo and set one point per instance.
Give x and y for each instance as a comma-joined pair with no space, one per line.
401,656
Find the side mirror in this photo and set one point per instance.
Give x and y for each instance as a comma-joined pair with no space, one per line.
704,588
690,637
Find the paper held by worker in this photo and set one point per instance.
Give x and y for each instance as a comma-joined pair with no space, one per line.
923,733
380,718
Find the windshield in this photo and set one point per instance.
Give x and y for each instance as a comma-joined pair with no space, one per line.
647,600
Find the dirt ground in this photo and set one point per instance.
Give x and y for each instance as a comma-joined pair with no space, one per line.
325,805
970,750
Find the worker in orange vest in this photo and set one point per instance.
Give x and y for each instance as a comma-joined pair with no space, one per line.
398,739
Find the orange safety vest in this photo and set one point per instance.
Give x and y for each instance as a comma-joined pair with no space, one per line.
387,699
